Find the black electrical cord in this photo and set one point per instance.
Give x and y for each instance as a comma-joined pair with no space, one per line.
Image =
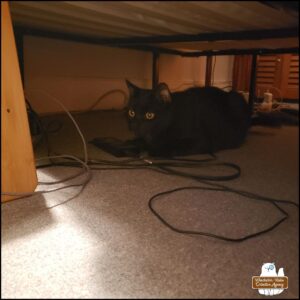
167,166
58,127
43,129
225,189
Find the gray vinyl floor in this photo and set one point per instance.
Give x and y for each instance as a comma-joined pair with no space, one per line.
105,243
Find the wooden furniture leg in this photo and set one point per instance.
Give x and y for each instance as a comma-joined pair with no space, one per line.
17,160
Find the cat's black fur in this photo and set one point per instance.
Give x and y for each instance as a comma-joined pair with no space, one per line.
197,120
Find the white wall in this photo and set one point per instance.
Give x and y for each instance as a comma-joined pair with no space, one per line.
77,74
223,71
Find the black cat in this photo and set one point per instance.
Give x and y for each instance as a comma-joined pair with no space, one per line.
197,120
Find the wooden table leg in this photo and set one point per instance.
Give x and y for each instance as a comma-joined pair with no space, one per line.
17,160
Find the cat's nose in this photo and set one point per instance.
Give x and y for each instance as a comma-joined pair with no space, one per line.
136,130
138,133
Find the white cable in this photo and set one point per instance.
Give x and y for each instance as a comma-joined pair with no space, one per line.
87,168
83,163
67,178
105,95
71,117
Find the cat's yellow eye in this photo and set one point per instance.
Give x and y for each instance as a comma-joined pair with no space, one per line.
131,113
149,115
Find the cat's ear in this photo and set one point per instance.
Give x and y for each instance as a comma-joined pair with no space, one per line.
163,93
131,88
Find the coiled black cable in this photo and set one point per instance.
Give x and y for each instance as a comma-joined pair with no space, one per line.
166,166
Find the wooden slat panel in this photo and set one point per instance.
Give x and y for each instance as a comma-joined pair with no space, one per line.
183,22
266,63
267,58
265,75
283,75
265,80
236,14
291,90
294,64
124,15
266,71
51,23
294,75
189,12
262,69
268,18
293,81
50,26
159,17
101,22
